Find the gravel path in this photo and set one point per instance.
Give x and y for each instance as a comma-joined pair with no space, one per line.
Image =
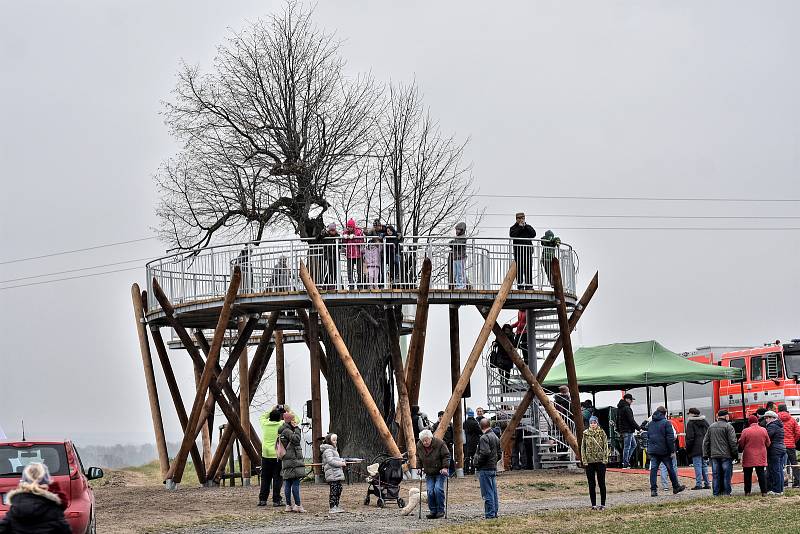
367,520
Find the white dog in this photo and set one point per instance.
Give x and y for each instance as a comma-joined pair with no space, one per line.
413,500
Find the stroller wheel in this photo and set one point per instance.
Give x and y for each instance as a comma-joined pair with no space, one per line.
366,500
381,502
401,503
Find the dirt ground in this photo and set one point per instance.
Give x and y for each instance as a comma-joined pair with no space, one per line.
130,502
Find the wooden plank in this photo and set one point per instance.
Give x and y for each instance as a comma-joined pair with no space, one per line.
416,347
150,380
348,363
403,404
477,349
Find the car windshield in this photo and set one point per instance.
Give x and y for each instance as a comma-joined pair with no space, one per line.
14,458
792,364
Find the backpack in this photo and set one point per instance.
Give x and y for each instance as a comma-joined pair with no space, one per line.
280,450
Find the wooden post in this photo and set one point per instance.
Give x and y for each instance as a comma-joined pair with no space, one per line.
455,372
404,407
348,363
522,407
416,347
205,434
540,394
472,360
176,472
280,378
244,406
323,360
150,380
316,396
175,392
569,360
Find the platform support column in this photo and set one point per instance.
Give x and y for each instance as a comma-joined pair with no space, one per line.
403,405
280,378
416,347
455,372
244,406
316,396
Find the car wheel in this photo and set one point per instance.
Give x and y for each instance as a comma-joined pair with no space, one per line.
91,528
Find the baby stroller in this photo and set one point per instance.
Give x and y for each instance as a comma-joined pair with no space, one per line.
384,480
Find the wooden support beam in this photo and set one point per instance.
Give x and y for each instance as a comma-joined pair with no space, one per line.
523,406
404,407
316,395
150,380
348,363
205,433
569,359
323,358
455,372
416,347
177,400
176,471
280,378
475,354
244,404
537,390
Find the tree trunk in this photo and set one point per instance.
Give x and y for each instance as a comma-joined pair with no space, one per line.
363,329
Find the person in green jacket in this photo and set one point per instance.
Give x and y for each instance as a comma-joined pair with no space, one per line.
594,457
270,465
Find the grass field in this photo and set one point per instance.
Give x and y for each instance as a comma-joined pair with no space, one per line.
771,515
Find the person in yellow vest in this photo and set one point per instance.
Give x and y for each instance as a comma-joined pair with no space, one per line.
270,465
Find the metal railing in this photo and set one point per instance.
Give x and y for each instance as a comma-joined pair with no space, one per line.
359,264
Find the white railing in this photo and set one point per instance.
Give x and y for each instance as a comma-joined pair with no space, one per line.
361,264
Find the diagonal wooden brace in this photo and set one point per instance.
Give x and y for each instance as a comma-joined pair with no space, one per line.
477,349
416,347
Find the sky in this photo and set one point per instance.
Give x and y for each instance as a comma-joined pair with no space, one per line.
677,99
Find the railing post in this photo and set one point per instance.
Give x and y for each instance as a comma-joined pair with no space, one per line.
213,275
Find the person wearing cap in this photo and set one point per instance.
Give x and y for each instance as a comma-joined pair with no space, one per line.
775,452
34,505
522,235
696,428
754,442
594,457
550,244
791,433
626,426
472,431
719,445
660,448
458,257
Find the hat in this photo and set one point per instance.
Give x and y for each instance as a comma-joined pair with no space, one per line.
593,419
36,473
519,214
351,223
332,226
549,234
470,412
772,414
462,227
722,413
752,420
628,396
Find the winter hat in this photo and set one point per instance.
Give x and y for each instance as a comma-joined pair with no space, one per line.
351,223
722,413
752,420
549,234
36,473
461,227
772,414
519,214
332,226
594,419
470,412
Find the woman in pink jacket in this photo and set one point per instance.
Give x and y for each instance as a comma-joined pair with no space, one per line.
754,442
354,247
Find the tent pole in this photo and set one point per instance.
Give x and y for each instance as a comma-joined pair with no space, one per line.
649,405
683,403
665,400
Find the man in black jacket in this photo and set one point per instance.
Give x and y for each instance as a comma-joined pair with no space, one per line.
523,233
486,463
472,430
626,426
696,428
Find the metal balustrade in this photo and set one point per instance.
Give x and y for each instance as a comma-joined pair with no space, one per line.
360,264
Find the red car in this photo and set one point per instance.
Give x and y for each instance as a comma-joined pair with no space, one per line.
69,477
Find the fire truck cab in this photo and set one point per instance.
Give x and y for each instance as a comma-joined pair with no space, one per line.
771,373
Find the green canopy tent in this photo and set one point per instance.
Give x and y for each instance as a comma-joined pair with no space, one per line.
628,365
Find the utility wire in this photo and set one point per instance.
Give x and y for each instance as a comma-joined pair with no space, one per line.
654,199
76,250
697,228
627,216
72,270
70,278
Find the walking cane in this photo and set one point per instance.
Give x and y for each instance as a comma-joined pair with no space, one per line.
419,474
446,495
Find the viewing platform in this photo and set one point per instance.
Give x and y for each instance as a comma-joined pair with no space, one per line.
351,272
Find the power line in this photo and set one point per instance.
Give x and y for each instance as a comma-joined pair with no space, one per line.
95,247
697,228
71,270
653,199
70,278
628,216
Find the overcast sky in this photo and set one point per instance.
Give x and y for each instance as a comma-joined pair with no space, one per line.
643,99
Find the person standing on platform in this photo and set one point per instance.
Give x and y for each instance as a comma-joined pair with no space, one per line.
696,428
594,457
775,452
354,250
522,235
485,460
458,257
472,431
719,444
270,465
754,442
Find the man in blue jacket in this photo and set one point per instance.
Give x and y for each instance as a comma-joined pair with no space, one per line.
660,448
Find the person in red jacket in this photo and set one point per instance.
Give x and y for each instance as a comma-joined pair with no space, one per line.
754,442
791,433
